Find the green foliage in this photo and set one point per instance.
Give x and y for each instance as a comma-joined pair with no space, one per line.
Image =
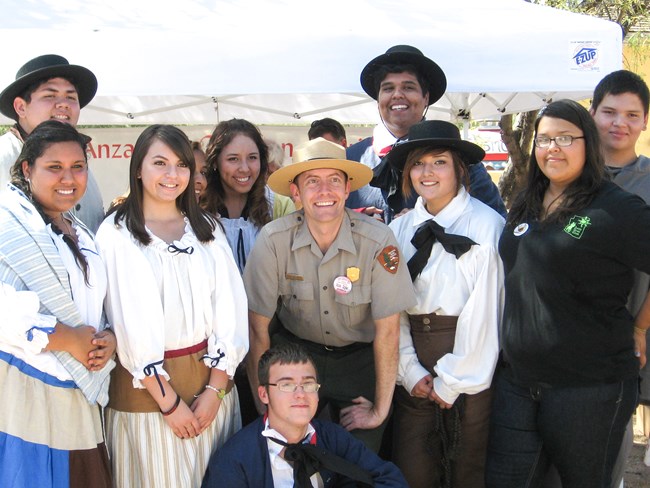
626,13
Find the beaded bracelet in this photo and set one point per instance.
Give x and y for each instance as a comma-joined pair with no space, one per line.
173,409
221,392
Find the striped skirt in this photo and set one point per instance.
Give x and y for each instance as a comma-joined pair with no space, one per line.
146,453
50,436
144,450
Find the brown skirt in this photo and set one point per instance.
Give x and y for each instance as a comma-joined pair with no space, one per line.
188,374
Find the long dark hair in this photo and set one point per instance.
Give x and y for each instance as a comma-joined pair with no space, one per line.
42,137
259,209
131,208
529,203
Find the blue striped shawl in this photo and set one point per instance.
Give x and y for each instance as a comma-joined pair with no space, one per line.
29,260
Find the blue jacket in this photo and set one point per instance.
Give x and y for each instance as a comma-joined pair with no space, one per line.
244,460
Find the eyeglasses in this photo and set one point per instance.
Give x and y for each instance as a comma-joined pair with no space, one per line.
310,387
560,141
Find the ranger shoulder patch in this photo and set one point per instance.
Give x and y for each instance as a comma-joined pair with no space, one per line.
389,259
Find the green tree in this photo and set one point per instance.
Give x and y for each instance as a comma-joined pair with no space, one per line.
626,13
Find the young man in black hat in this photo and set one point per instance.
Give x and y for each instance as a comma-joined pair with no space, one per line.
405,83
48,87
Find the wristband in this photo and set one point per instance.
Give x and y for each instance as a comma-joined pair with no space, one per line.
640,330
221,392
173,409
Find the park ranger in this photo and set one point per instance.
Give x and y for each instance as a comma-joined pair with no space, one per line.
337,281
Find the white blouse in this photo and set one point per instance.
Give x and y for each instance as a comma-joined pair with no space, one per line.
20,309
241,234
470,287
164,297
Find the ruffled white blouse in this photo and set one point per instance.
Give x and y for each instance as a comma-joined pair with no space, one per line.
470,288
164,297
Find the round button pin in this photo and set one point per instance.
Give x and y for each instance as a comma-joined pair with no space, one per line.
342,285
520,229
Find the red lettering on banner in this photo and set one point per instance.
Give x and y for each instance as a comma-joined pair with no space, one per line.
100,150
103,151
290,146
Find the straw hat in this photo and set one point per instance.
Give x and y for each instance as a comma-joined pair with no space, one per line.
47,67
319,154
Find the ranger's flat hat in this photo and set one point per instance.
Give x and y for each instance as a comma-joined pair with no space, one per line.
319,153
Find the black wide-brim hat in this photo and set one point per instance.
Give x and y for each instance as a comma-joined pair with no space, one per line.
47,67
406,55
435,134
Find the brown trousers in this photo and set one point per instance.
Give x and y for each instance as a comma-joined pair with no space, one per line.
417,446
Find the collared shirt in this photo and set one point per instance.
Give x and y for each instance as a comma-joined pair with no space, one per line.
287,263
470,288
281,470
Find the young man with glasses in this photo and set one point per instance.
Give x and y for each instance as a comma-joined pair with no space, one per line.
286,447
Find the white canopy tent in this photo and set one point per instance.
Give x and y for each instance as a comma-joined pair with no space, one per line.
290,62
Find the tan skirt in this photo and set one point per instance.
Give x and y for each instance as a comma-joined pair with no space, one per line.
144,450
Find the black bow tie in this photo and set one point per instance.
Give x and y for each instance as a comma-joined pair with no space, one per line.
424,239
174,249
308,459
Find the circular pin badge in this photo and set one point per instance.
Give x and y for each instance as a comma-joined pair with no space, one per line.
342,285
520,229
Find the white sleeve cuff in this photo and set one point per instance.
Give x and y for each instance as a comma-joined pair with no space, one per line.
152,369
414,374
221,357
38,336
443,391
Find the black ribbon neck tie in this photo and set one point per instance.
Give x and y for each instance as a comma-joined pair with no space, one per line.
424,239
174,249
308,459
241,252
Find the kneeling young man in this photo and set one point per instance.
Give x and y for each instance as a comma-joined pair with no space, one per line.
286,447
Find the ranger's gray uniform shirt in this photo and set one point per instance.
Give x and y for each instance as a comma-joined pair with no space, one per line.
287,263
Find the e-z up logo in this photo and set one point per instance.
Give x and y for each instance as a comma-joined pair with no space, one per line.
585,55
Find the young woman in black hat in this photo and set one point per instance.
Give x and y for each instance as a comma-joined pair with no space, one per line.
449,340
